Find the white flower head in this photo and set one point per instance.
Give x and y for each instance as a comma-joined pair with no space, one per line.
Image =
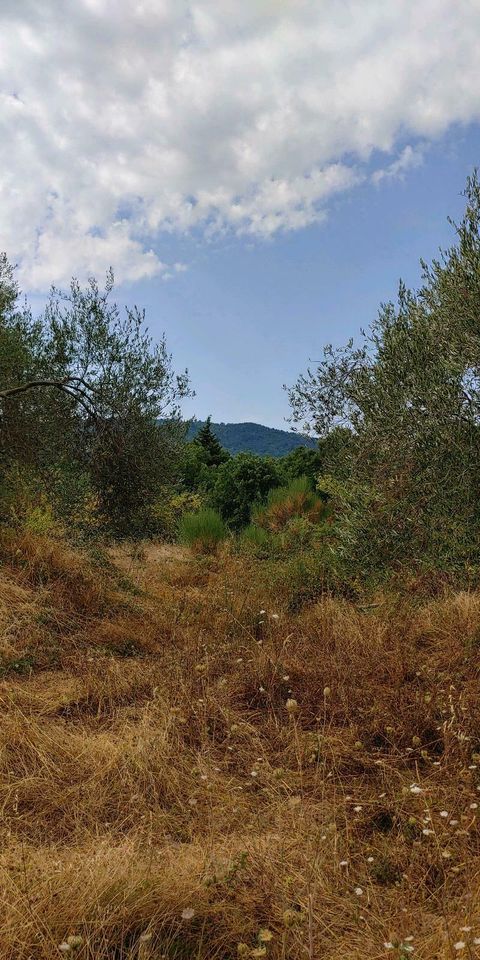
188,913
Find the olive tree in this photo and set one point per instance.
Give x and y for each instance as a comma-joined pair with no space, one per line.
409,390
85,381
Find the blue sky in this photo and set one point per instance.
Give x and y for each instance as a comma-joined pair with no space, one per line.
245,318
258,173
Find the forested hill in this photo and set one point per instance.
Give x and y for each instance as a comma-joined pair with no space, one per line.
255,438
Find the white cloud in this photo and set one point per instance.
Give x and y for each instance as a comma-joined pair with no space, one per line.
409,158
121,118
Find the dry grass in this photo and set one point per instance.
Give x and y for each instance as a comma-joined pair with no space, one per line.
180,771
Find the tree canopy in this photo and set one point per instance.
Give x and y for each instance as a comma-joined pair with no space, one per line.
85,383
410,393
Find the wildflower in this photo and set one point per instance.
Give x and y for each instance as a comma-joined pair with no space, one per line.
358,745
416,741
292,706
370,859
259,952
444,813
289,918
473,806
75,941
243,950
408,947
415,789
188,913
254,773
64,947
358,892
388,945
453,823
286,677
428,833
274,616
265,936
476,941
465,929
357,809
408,939
343,863
459,945
145,937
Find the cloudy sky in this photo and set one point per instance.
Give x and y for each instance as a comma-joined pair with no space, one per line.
258,173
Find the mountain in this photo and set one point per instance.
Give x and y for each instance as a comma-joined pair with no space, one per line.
254,438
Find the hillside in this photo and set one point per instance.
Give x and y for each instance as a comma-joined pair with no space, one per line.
255,438
195,765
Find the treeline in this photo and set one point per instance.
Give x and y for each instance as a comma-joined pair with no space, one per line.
91,432
255,438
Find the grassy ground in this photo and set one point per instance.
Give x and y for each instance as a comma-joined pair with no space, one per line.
189,770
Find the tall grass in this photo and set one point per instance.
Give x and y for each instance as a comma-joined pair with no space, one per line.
255,781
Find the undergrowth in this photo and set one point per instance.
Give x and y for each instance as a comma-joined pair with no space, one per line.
199,761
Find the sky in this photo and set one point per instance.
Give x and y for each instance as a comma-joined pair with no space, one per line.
258,173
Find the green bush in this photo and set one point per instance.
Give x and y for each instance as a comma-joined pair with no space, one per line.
256,541
284,503
239,483
203,531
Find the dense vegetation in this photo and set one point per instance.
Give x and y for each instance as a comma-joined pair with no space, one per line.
262,740
91,432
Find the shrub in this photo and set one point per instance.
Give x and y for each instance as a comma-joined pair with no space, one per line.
203,531
284,503
239,483
256,541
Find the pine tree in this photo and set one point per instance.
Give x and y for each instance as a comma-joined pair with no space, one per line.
215,453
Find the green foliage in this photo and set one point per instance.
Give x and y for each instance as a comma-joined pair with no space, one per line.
410,394
330,456
302,462
284,503
195,472
255,541
84,386
255,438
239,483
203,531
213,452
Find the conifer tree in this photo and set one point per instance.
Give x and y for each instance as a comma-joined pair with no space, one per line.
215,453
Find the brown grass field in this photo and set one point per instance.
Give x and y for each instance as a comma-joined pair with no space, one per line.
185,776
